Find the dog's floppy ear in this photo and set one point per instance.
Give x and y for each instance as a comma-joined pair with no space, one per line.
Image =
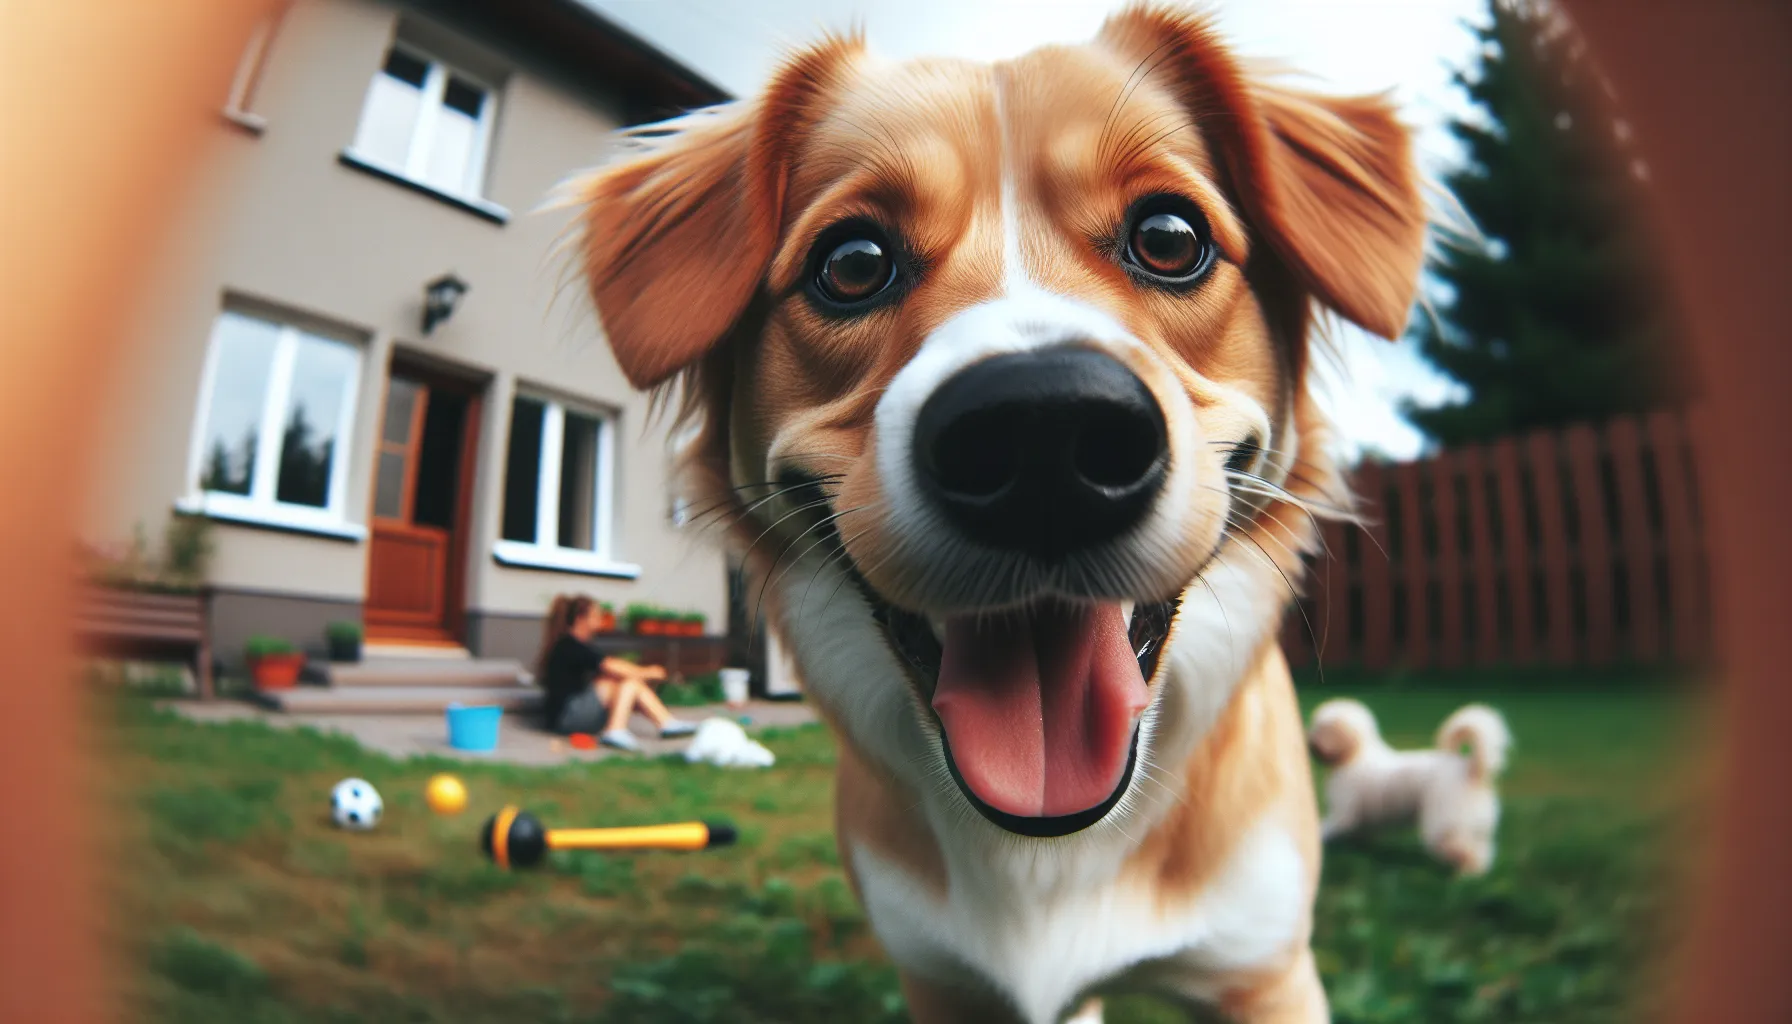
677,239
1329,182
1337,193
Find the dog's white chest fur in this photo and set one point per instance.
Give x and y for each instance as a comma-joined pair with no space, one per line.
1043,942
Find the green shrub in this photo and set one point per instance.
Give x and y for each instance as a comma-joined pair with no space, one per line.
343,631
179,568
693,692
187,549
261,644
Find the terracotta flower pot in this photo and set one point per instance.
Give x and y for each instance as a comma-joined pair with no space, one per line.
276,671
693,629
606,622
647,627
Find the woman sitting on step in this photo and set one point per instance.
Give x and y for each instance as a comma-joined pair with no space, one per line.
588,692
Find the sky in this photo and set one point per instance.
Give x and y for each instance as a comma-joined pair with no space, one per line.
1407,46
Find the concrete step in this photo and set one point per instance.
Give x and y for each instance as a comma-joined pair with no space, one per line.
384,700
424,672
414,649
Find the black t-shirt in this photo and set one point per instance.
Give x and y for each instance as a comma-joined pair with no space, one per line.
571,666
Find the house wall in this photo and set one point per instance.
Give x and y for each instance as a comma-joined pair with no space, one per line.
281,221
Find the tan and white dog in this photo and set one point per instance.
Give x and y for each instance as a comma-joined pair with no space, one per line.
1450,795
1000,373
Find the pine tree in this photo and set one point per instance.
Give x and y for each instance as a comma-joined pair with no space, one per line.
1559,313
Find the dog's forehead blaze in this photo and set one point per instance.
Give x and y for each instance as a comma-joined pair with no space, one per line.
1071,136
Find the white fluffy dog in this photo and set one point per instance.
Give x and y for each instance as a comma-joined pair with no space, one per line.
1449,793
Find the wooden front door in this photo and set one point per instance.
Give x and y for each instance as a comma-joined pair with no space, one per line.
422,472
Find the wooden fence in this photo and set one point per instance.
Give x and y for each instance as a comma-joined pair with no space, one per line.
1575,547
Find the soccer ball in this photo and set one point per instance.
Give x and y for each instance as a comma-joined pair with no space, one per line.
355,804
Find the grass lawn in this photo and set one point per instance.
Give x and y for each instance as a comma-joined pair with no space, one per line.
236,900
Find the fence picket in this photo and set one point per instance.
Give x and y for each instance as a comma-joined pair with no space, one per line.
1517,547
1672,475
1558,601
1637,541
1415,564
1448,652
1483,557
1375,572
1593,548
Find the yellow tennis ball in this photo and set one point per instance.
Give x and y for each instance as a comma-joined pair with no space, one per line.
446,795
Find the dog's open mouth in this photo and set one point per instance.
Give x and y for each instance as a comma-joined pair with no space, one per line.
1038,707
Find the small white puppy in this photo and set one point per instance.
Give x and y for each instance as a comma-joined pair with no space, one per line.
1449,793
726,745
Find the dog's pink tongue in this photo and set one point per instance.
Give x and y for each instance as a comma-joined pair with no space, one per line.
1038,707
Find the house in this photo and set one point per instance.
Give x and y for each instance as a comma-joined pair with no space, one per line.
365,361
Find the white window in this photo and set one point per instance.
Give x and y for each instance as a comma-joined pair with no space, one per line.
276,410
427,122
559,475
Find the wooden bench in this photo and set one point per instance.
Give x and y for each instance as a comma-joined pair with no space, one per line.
682,656
139,624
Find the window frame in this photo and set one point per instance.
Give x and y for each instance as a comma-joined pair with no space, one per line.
261,507
430,105
545,552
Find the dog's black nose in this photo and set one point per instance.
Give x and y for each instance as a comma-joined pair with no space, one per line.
1045,452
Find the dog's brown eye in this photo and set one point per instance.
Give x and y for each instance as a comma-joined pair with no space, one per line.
854,271
1166,245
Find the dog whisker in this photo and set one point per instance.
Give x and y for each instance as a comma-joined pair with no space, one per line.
840,556
824,538
1295,597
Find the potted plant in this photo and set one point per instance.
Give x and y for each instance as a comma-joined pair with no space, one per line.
693,623
344,638
274,663
606,617
642,620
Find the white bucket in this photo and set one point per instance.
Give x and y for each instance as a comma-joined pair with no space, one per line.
734,685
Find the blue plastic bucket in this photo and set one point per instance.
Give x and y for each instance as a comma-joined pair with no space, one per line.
473,728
